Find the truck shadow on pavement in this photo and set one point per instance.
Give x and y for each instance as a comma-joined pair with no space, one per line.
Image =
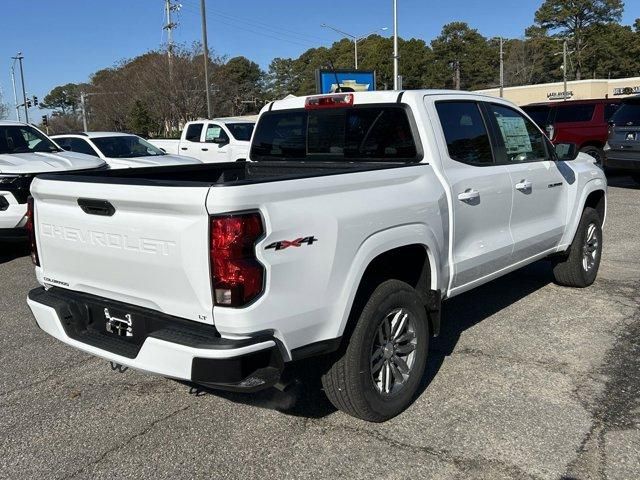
305,398
12,250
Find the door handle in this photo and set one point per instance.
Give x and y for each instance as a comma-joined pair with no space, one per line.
524,185
183,148
468,194
205,149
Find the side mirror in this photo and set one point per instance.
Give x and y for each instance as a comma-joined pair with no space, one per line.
566,151
220,140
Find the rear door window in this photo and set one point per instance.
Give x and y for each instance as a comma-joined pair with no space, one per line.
193,132
465,132
367,133
574,113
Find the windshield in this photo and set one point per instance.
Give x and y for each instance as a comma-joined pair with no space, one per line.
370,133
24,139
126,146
627,114
539,115
241,131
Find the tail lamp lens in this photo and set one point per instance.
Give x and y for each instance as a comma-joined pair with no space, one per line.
31,231
237,275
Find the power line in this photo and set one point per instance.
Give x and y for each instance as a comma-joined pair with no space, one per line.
269,32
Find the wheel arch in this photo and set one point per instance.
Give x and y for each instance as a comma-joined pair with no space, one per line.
409,253
593,195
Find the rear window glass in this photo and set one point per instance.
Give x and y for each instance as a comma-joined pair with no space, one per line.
540,115
574,113
353,134
465,132
609,110
627,114
241,131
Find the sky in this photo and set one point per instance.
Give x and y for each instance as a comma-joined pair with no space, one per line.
67,40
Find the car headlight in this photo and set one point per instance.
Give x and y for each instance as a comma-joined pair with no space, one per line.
7,179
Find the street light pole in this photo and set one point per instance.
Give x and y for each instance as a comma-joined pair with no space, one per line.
19,57
395,45
206,55
564,69
354,38
83,108
15,95
501,68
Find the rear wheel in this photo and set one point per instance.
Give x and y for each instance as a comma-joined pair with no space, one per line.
376,377
579,267
595,152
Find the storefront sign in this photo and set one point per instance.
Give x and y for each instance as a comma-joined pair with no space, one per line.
559,95
626,90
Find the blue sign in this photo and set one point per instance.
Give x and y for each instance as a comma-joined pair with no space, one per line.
349,80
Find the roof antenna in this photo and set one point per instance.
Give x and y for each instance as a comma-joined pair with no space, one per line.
338,89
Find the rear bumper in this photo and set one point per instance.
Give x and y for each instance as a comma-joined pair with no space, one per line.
159,344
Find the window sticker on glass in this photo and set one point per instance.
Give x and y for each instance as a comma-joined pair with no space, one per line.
515,134
213,131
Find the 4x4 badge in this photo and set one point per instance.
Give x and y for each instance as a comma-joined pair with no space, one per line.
298,242
119,326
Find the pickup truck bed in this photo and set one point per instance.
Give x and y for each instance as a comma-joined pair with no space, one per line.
221,174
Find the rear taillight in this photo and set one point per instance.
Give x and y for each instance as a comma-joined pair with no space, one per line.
335,100
31,231
236,274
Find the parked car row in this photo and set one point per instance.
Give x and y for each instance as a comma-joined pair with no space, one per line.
606,129
25,152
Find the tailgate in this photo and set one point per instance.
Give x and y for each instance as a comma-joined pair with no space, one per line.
152,251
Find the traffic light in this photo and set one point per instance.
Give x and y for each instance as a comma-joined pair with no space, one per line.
29,103
35,101
45,120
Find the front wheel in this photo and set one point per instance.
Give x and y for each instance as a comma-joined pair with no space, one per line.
579,267
376,377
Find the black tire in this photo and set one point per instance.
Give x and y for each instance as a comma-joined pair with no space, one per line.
571,270
636,177
349,383
595,152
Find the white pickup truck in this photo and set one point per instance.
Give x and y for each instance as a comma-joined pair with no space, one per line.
24,152
358,214
212,141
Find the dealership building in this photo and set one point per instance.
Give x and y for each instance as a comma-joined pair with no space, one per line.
576,90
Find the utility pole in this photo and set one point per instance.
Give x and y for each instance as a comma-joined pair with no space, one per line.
84,112
19,57
206,55
564,69
15,95
501,68
395,45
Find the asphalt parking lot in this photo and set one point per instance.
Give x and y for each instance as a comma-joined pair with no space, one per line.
528,380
